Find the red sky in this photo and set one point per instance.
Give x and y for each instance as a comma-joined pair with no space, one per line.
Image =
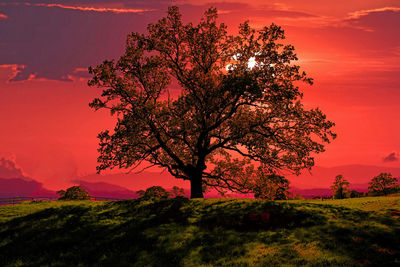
351,48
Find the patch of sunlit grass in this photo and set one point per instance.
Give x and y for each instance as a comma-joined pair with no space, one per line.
212,232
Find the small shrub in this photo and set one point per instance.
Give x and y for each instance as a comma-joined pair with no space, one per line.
354,194
74,193
178,192
154,192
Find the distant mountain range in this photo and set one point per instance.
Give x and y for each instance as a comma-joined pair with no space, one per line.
124,186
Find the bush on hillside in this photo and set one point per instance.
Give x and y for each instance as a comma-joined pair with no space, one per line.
154,192
177,192
354,194
74,193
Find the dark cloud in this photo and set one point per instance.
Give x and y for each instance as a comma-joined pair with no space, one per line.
9,169
13,182
52,41
391,157
18,187
382,23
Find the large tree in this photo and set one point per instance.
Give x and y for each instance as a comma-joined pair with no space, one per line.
238,106
383,184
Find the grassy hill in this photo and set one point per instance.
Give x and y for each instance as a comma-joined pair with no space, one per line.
212,232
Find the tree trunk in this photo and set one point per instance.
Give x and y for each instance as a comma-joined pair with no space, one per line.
196,189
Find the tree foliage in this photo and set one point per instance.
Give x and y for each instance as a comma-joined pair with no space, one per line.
177,192
74,193
354,194
271,186
383,184
227,115
153,192
340,187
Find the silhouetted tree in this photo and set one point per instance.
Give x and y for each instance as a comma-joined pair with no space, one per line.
74,193
154,192
177,191
340,187
354,194
271,186
383,184
228,111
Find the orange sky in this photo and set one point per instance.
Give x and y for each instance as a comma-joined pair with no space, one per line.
351,48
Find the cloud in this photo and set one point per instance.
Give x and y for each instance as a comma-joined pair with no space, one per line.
360,13
68,37
3,16
61,40
381,20
15,69
10,169
243,11
14,182
391,157
92,8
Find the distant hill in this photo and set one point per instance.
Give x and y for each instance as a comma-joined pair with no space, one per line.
324,192
124,186
357,175
136,181
102,189
16,187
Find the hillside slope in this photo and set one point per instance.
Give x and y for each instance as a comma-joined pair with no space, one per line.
212,232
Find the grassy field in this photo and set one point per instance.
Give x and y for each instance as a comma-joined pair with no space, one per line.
212,232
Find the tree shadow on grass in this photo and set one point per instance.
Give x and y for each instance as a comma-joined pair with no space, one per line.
185,232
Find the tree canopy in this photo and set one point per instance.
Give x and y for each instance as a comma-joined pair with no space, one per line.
383,184
340,187
228,119
272,187
153,192
74,193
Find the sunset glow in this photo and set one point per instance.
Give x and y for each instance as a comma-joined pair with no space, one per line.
48,133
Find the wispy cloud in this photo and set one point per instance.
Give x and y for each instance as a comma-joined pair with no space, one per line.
10,169
380,20
15,70
92,9
360,13
3,16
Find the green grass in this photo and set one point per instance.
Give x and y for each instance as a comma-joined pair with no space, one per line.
382,205
212,232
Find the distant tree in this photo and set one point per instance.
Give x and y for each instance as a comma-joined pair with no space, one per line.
340,187
383,184
154,192
140,193
271,186
226,106
354,194
74,193
177,192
